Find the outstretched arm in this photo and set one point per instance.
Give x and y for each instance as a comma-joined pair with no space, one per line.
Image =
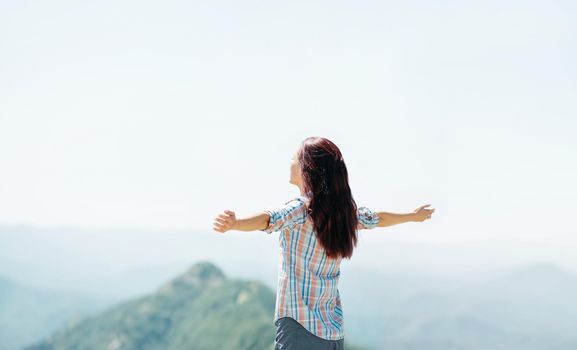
390,219
228,221
274,219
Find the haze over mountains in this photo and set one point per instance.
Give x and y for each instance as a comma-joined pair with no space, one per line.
28,313
529,307
200,309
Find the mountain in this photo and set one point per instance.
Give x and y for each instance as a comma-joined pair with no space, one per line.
28,313
531,307
200,309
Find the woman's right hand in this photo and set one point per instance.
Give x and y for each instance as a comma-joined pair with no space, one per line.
422,213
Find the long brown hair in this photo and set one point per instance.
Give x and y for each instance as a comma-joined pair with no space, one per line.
331,206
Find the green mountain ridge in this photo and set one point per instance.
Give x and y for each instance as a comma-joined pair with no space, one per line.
200,309
28,313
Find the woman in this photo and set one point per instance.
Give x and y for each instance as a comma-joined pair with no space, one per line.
317,230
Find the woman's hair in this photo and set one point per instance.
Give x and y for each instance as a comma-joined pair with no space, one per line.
331,207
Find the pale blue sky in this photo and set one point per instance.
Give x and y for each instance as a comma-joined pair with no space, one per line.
162,114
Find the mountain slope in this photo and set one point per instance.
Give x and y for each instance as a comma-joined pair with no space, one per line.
28,313
200,309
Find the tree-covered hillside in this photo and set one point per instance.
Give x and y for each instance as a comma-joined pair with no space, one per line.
200,309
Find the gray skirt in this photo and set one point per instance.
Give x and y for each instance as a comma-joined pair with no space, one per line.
291,335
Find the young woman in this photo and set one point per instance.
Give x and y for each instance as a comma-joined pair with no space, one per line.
317,230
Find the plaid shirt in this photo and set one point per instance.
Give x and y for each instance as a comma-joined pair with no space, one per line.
307,288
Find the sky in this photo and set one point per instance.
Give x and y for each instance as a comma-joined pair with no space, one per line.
161,115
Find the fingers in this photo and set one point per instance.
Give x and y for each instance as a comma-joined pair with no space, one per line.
223,218
222,221
426,205
422,207
218,223
425,214
220,227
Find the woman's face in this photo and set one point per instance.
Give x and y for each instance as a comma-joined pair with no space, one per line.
295,176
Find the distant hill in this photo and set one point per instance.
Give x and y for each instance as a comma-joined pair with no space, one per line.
28,314
532,308
200,309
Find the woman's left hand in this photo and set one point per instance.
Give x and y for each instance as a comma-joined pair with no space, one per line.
225,221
